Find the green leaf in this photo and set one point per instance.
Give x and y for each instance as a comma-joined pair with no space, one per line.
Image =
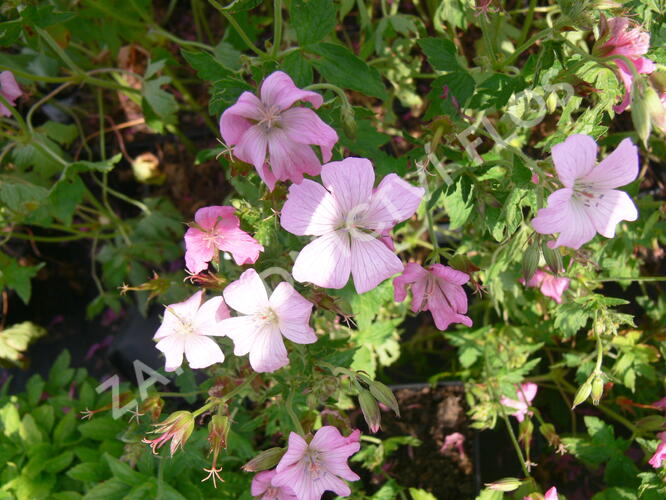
65,429
96,166
298,68
459,201
341,67
93,472
34,389
64,198
15,340
59,463
61,133
102,428
113,489
206,66
45,417
10,420
312,19
123,472
421,494
496,91
29,432
161,102
441,54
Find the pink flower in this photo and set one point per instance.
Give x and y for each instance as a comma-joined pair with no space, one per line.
217,228
10,90
454,440
551,494
311,469
526,394
185,329
437,289
262,489
551,286
660,404
588,203
177,428
657,459
266,320
252,125
629,40
352,222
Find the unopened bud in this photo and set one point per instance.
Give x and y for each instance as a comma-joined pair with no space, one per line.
348,121
265,460
640,112
651,423
548,432
597,389
530,261
146,169
525,430
583,393
384,395
218,431
553,258
506,484
657,109
370,410
551,102
153,406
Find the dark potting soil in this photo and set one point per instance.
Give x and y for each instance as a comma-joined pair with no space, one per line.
430,415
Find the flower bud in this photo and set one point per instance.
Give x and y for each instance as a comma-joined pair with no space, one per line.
177,427
548,432
218,431
651,423
551,102
370,410
657,109
597,388
384,395
583,393
525,430
146,169
640,112
348,121
530,261
553,259
265,460
153,406
507,484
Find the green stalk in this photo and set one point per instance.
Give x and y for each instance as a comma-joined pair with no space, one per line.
277,27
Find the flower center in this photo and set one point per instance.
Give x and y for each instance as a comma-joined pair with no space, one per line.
267,317
312,464
586,194
270,118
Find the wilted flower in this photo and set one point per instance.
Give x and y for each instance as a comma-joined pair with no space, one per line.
270,125
352,222
217,228
526,393
263,489
10,90
454,440
619,36
185,329
177,428
551,286
311,469
589,202
265,320
437,289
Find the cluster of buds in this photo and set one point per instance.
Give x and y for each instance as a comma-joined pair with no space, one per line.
370,398
532,257
593,386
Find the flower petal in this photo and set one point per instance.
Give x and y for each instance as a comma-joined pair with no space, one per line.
247,294
242,247
173,348
394,201
309,209
293,312
251,147
235,120
325,262
261,482
202,351
350,182
372,263
242,330
574,158
566,216
268,352
618,169
295,452
209,316
215,216
304,126
289,159
412,274
608,208
279,90
198,250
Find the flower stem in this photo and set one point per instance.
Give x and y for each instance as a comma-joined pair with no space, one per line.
277,27
289,405
234,24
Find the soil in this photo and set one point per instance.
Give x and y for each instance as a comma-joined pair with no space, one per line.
430,415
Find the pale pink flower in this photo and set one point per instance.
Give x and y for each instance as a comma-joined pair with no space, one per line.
437,289
551,494
454,440
526,393
657,459
550,285
10,90
269,125
311,469
630,40
265,321
352,222
217,228
185,330
588,203
263,489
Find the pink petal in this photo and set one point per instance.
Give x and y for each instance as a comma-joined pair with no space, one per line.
198,251
251,147
627,78
551,494
566,216
574,158
289,159
325,262
216,216
295,452
186,309
293,312
554,287
444,315
350,182
617,169
247,295
268,352
528,390
235,120
412,274
202,351
394,201
309,209
449,274
372,263
303,126
9,87
173,348
261,482
242,330
329,482
279,90
209,316
242,247
608,209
